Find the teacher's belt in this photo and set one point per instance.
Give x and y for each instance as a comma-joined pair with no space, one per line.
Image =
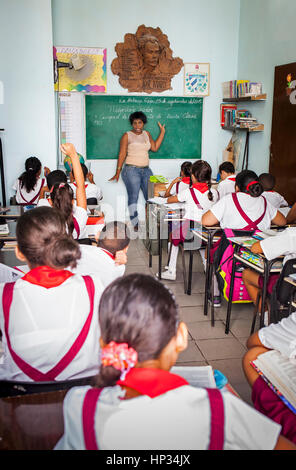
135,166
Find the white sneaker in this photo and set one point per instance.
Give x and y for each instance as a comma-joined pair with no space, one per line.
266,322
168,275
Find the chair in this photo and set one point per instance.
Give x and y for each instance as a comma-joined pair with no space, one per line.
12,388
281,298
84,241
92,201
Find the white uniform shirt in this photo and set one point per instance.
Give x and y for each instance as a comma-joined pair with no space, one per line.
80,215
96,261
284,243
27,196
192,212
182,187
43,325
275,199
229,217
177,419
226,186
91,190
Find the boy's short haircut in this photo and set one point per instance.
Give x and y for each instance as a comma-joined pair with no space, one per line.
114,237
56,176
228,167
267,180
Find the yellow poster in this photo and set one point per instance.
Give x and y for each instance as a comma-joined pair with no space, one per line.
80,69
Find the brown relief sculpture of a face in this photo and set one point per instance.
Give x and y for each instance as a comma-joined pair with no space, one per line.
144,61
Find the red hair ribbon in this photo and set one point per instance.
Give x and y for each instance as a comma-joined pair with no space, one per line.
251,184
120,356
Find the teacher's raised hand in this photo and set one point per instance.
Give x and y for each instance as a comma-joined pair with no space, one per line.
161,127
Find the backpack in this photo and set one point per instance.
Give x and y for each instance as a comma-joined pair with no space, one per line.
223,257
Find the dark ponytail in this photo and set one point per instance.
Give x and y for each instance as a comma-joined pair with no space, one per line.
138,310
28,179
247,182
43,240
202,172
62,197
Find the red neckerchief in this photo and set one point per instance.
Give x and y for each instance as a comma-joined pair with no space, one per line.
46,276
186,180
152,382
231,178
201,187
107,253
85,185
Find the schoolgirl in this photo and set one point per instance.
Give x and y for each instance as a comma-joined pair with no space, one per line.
246,210
182,182
198,198
137,403
62,197
29,185
48,317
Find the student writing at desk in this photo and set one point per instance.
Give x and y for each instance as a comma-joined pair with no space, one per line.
245,210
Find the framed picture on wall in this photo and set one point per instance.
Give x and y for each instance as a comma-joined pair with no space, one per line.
197,79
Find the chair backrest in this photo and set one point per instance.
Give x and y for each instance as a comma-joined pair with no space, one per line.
281,293
92,201
12,388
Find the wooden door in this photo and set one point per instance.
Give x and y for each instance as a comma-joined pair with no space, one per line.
282,162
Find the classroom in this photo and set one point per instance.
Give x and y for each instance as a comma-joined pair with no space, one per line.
66,112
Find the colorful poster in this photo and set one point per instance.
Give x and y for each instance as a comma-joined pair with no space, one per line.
197,79
86,71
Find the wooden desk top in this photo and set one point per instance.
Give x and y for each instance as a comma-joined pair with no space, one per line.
31,422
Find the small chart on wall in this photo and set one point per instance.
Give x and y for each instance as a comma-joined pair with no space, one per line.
107,119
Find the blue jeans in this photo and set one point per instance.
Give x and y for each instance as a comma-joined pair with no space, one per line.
135,178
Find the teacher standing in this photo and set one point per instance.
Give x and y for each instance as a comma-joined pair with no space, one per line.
134,151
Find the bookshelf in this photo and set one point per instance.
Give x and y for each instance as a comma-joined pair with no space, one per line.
232,118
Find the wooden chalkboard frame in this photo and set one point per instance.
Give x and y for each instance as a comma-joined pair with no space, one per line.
183,138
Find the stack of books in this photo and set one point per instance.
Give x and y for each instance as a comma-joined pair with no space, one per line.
241,89
231,117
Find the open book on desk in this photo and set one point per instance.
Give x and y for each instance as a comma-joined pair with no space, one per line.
203,377
279,372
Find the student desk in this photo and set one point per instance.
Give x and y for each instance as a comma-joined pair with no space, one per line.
208,236
265,268
160,215
11,212
12,232
31,422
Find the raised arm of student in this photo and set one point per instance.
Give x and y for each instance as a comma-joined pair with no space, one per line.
168,191
70,150
121,156
155,144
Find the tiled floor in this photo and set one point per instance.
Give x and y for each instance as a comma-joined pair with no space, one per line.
208,344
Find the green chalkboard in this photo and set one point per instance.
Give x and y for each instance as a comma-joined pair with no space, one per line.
107,119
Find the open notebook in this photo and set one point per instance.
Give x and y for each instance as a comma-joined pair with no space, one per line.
279,372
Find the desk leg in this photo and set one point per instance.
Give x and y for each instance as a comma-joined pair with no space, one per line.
159,246
189,283
207,275
150,259
267,269
229,305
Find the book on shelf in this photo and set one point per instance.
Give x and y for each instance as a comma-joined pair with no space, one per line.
227,113
279,372
240,89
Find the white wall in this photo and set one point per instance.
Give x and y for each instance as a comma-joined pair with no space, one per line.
27,113
267,39
198,32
